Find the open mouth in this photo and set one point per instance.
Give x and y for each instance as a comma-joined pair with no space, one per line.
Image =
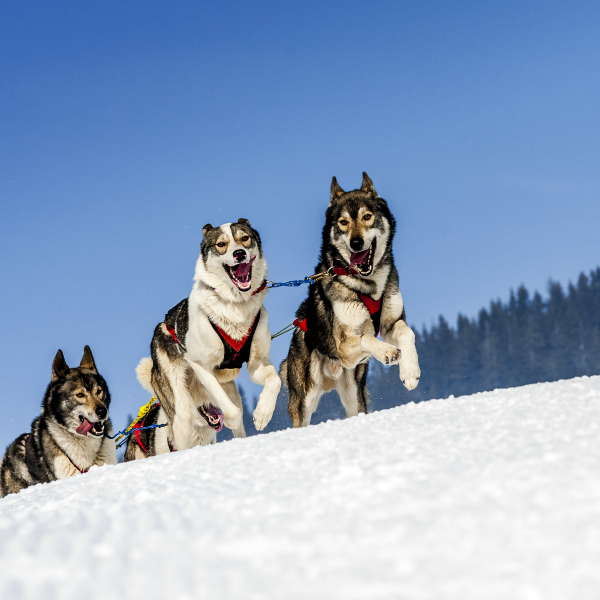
241,274
213,416
96,428
363,261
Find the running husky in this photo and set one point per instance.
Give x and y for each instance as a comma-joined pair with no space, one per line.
338,323
68,437
200,347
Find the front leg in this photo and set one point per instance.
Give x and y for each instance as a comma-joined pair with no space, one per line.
261,371
231,413
264,374
233,393
403,336
355,348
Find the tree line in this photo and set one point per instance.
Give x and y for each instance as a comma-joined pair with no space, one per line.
529,339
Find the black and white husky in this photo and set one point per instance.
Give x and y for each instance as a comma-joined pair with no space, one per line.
338,324
200,347
68,437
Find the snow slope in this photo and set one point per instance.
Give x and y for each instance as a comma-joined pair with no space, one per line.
495,495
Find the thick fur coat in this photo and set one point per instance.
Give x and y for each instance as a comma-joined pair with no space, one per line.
68,437
338,334
192,368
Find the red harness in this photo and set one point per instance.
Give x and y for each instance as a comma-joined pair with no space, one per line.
136,432
373,306
235,344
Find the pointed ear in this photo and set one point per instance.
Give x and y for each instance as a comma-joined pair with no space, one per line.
207,228
87,362
367,184
59,367
336,191
244,222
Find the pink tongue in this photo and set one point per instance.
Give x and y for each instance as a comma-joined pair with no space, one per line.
84,427
243,268
358,258
216,415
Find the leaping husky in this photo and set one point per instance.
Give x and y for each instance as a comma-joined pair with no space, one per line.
68,438
339,321
200,347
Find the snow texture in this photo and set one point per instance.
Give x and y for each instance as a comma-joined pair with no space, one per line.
493,496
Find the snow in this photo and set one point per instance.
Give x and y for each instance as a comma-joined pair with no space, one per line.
495,495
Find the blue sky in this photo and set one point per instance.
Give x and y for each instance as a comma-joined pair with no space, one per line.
126,126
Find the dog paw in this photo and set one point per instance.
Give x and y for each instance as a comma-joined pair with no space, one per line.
233,418
386,353
263,413
410,374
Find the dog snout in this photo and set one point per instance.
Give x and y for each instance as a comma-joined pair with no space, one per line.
239,255
101,412
356,243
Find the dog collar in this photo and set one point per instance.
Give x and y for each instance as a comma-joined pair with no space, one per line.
80,470
258,290
344,271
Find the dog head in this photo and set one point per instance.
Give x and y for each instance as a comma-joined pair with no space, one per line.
231,260
77,398
359,228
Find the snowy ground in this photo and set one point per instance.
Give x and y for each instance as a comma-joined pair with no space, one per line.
490,496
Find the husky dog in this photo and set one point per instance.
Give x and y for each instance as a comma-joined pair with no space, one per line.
68,437
200,347
338,324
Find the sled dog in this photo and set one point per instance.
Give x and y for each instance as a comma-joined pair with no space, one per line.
198,350
338,324
68,438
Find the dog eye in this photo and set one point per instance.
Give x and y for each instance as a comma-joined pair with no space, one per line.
368,217
80,394
343,222
245,238
222,244
99,392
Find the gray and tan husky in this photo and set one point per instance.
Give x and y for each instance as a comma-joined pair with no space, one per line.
68,438
198,350
338,324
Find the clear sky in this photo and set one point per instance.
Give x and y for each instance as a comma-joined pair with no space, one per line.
126,126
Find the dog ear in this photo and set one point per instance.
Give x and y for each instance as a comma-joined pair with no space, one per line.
207,228
87,362
336,191
59,367
367,184
244,222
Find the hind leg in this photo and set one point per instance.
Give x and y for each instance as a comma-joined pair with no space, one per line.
311,401
170,383
348,391
232,391
301,407
352,388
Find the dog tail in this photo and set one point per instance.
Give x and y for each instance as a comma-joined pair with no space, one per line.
283,371
144,372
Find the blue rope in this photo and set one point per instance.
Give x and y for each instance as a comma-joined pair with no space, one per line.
293,283
128,433
297,282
